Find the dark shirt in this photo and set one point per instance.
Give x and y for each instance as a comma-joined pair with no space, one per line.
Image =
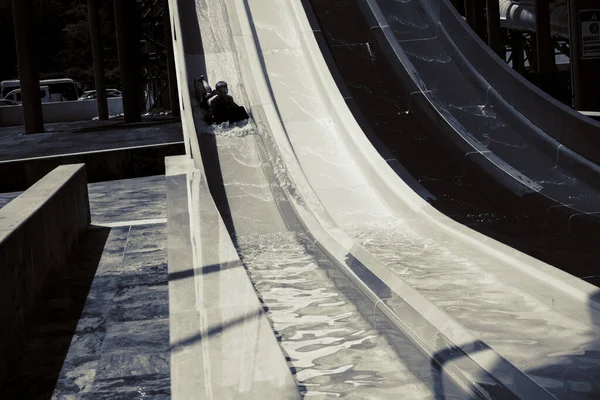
220,108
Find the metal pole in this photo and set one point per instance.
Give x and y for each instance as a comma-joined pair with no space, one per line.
97,56
479,18
128,48
173,92
545,51
470,14
29,73
516,44
533,58
493,27
474,16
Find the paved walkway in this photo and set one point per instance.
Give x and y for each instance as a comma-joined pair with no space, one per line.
114,338
86,136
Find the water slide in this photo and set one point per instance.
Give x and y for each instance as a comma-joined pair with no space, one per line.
371,292
522,138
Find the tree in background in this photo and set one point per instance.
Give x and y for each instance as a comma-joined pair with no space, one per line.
63,41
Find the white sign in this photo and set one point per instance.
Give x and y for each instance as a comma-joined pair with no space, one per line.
590,33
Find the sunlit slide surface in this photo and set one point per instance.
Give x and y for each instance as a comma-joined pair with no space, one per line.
303,157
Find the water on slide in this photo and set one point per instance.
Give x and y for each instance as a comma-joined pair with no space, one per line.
333,343
354,205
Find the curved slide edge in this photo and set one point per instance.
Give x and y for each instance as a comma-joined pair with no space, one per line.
547,280
476,157
221,340
525,272
415,316
568,127
569,136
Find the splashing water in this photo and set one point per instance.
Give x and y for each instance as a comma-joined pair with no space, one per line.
237,129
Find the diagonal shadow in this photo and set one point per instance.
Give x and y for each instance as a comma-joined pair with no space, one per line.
490,385
205,270
215,330
209,150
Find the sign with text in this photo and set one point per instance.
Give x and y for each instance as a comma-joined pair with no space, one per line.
590,33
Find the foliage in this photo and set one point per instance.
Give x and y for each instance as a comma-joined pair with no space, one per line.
63,40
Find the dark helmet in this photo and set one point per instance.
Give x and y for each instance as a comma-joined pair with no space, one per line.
221,84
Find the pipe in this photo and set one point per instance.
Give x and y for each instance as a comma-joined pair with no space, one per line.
520,15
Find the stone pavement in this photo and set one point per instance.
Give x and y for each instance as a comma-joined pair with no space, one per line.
108,317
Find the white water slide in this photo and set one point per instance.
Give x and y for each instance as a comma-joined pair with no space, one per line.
303,191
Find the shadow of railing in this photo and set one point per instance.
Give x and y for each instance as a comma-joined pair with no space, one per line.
205,270
215,330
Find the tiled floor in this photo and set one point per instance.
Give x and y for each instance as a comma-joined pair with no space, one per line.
115,344
118,202
121,346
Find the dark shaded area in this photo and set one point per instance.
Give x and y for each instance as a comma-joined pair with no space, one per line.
54,322
63,36
214,178
98,59
29,73
119,123
101,166
460,191
128,37
207,143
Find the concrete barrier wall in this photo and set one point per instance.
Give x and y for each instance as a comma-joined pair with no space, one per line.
64,111
105,165
38,229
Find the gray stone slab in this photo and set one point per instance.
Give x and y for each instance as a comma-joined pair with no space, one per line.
141,302
137,337
147,238
128,199
147,262
115,369
79,379
120,348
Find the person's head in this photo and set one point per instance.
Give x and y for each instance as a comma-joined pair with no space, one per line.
221,88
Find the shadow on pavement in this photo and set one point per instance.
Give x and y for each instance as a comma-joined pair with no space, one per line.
54,321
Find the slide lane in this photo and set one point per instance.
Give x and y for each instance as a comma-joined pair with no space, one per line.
325,326
324,166
482,121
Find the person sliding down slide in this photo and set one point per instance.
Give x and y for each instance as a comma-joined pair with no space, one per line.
219,104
